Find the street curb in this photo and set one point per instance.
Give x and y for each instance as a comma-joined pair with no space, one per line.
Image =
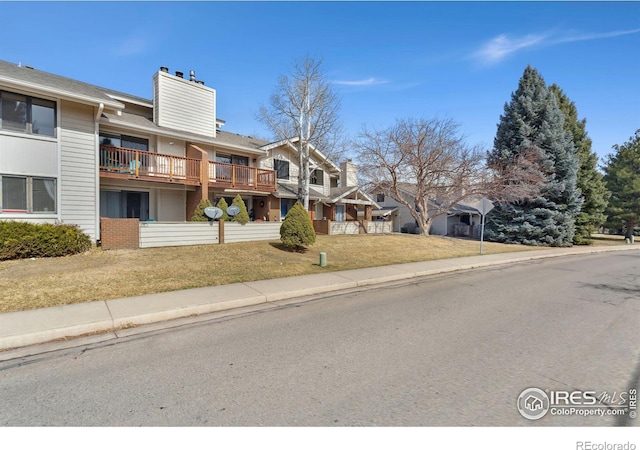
25,328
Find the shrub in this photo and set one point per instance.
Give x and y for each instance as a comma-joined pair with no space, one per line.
27,240
222,204
243,216
198,214
297,232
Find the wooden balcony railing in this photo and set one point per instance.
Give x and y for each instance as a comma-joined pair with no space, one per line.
125,162
242,177
140,163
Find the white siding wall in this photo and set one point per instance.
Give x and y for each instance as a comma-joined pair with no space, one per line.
184,105
439,225
28,155
78,167
158,234
234,232
402,217
379,227
344,228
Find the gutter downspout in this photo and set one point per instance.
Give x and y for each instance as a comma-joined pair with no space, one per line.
97,168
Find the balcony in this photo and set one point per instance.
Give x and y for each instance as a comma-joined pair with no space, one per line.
118,162
234,176
126,163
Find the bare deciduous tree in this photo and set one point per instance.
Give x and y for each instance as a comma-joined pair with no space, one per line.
426,166
303,110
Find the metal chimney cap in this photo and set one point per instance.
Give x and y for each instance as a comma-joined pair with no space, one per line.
192,75
179,74
164,69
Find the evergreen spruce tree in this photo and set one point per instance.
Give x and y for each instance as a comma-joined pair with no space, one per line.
198,214
533,125
222,204
243,216
296,231
622,175
590,181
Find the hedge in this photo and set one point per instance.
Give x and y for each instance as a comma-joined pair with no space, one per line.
27,240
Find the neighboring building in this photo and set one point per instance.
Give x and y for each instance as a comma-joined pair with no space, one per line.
73,152
461,220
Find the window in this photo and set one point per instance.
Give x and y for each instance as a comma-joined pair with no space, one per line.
124,204
380,198
14,194
130,142
281,168
135,143
43,117
317,177
232,159
28,194
27,114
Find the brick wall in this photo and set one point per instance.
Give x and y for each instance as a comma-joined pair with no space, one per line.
119,233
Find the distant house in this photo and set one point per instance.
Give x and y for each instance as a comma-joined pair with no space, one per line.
73,152
461,220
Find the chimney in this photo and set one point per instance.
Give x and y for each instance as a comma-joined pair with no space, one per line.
192,75
164,69
179,74
348,174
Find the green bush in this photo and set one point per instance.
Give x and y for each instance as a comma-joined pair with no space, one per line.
198,214
297,232
222,204
27,240
243,216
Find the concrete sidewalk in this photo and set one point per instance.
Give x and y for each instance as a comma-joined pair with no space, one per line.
24,328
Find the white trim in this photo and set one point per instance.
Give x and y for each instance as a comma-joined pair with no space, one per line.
96,140
122,98
38,88
289,142
59,160
25,135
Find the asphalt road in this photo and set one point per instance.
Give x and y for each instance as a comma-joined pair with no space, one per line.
452,350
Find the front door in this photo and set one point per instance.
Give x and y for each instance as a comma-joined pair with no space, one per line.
339,213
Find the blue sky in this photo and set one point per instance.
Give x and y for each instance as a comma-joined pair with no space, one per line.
387,60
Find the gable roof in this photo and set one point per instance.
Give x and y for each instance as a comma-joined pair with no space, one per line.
27,78
223,138
339,193
289,143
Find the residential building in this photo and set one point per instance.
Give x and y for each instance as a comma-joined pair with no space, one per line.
72,152
461,220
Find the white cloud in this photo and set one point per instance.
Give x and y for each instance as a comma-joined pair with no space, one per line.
502,46
366,82
591,36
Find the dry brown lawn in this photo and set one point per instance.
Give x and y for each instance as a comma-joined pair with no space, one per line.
102,275
608,239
